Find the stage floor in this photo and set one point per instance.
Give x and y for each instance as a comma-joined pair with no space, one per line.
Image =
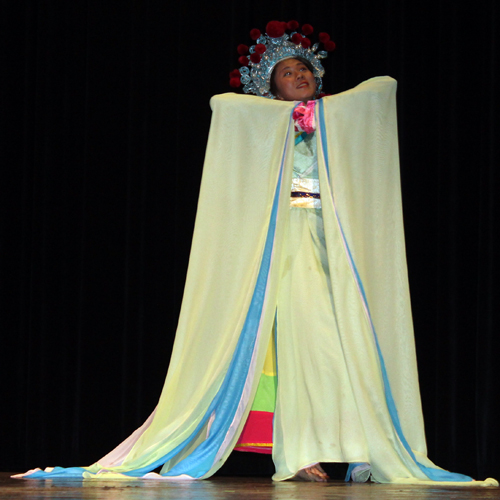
227,488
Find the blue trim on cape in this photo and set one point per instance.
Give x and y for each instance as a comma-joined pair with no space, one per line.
202,459
431,473
226,402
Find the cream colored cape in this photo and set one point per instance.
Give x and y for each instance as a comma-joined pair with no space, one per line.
229,300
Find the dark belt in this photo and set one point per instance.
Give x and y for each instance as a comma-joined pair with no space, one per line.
302,194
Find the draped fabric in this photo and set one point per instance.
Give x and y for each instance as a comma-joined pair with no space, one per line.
102,151
230,275
242,231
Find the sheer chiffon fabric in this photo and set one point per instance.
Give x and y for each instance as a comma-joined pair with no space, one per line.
347,378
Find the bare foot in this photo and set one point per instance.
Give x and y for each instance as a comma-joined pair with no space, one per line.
312,473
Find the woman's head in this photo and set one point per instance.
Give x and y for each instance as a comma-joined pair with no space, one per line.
261,63
293,80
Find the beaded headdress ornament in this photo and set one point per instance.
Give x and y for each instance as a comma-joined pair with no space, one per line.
259,60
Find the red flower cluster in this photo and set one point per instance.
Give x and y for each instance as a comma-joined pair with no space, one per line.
305,42
254,34
307,29
234,78
242,49
324,37
330,45
275,29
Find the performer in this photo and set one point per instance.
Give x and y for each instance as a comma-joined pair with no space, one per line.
295,334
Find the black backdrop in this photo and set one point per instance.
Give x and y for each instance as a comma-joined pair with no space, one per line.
104,119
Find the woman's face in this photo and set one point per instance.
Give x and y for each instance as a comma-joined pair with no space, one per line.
294,81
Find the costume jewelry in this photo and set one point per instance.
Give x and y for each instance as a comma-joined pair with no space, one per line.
259,60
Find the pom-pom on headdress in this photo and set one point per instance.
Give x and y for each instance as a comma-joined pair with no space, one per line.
259,60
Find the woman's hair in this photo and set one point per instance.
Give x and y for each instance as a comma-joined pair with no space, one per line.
273,88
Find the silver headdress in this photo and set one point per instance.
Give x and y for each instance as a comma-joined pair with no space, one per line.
259,61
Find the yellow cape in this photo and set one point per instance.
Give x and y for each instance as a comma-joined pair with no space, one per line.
230,295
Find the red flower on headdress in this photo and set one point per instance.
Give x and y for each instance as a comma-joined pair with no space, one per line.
297,38
305,42
330,45
324,37
235,82
260,48
242,49
235,73
307,29
255,58
292,25
243,60
275,29
254,34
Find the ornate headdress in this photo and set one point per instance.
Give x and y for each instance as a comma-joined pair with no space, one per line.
258,61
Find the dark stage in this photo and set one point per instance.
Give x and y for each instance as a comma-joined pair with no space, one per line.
229,488
104,118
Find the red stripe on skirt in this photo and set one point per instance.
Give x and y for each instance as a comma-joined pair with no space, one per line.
257,435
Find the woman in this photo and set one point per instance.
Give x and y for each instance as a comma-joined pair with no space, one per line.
319,276
293,80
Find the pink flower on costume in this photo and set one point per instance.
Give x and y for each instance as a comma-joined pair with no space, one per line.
303,116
